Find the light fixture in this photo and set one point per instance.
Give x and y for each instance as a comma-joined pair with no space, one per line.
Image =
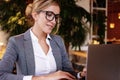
112,25
119,15
7,0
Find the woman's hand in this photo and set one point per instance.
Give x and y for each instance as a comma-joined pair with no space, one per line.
59,75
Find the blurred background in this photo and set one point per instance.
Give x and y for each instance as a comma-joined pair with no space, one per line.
84,22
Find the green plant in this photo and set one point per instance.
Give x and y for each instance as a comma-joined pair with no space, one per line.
12,16
72,28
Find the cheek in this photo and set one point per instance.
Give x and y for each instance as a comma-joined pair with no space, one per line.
39,19
42,19
41,22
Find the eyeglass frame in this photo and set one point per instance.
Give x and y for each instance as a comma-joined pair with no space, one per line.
56,16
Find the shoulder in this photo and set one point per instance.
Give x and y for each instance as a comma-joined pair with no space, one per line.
56,37
20,36
14,40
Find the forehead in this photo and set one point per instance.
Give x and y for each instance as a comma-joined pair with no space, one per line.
54,8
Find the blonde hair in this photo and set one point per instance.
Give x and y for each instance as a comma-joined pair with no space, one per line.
38,5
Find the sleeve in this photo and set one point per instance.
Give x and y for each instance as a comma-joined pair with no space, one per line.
27,78
78,75
7,62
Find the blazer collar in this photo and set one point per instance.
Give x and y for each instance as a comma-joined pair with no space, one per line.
27,35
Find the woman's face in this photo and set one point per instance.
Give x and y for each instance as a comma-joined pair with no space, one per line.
46,19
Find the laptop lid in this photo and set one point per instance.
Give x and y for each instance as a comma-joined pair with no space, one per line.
103,62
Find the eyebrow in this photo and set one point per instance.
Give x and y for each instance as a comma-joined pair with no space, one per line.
46,11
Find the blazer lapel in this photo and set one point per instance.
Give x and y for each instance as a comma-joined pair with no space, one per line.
56,53
29,53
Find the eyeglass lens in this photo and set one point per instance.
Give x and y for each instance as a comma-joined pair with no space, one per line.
51,15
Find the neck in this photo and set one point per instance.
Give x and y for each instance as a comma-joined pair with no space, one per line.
39,34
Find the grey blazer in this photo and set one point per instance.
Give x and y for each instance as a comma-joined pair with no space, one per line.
20,51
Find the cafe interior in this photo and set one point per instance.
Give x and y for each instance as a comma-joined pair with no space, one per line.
109,8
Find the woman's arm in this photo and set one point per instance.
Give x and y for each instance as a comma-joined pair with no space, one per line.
7,62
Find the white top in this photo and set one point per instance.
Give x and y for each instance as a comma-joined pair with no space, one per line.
44,64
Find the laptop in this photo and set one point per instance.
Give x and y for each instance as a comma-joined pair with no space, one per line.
103,62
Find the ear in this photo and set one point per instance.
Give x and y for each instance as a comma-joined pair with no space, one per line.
35,16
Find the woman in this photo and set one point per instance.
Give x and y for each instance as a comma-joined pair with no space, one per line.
38,54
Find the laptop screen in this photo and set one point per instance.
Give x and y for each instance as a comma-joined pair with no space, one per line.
103,62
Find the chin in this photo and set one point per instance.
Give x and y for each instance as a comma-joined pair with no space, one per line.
48,32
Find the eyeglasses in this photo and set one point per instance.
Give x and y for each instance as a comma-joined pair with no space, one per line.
51,16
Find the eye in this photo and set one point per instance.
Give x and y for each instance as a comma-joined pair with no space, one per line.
50,14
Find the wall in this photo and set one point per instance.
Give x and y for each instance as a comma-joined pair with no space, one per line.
85,4
113,10
3,37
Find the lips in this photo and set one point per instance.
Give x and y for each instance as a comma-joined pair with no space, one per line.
50,26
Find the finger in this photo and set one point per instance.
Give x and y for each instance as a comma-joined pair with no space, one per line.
70,76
